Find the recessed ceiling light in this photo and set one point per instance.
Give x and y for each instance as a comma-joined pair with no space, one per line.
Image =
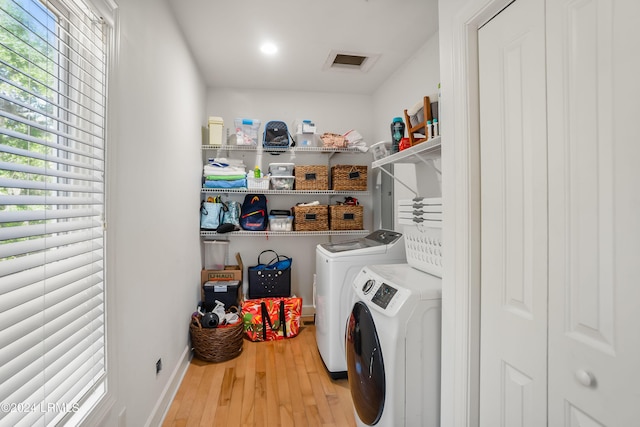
269,48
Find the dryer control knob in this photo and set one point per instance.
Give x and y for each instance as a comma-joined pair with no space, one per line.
368,285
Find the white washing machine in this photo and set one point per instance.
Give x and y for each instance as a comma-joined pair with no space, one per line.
336,266
393,347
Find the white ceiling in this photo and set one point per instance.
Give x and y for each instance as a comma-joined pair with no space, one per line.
225,37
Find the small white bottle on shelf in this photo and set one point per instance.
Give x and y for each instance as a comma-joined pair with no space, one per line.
436,128
429,130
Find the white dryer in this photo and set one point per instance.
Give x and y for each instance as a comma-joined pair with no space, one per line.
393,347
336,266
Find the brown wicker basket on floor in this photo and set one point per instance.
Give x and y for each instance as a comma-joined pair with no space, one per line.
216,344
349,177
345,217
311,177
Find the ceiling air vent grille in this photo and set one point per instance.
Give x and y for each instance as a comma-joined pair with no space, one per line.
350,61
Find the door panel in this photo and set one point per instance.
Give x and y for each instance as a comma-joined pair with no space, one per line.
513,384
594,235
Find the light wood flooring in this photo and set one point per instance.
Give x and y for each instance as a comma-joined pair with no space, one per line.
276,383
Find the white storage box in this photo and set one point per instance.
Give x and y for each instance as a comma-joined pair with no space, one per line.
216,127
247,131
380,150
304,126
280,223
257,183
282,182
281,169
215,254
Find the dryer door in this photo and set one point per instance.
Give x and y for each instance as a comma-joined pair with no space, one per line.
365,367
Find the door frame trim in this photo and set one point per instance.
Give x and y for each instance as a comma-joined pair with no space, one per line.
461,196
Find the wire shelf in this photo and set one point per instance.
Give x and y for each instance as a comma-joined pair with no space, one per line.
269,233
280,149
296,192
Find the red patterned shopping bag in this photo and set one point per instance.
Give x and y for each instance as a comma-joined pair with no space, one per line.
269,319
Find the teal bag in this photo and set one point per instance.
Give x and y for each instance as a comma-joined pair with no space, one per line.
231,214
211,215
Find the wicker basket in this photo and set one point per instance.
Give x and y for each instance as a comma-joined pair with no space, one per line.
333,140
349,177
311,218
345,217
216,344
313,177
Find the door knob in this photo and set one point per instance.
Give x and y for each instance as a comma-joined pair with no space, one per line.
585,378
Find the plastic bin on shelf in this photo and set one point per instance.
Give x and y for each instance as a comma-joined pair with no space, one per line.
280,223
282,182
257,183
216,125
247,131
281,169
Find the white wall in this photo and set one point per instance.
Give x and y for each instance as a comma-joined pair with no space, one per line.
157,107
331,112
417,78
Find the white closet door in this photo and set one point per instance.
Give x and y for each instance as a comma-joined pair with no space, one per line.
513,146
594,212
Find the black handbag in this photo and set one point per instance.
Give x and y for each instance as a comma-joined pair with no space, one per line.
272,279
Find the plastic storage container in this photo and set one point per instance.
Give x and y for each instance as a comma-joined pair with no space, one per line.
215,254
380,150
281,169
216,127
282,182
280,223
225,291
257,183
247,131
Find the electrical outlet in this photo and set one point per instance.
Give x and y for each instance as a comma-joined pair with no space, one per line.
158,366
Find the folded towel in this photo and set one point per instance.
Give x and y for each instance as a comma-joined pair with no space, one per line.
239,183
223,171
231,162
224,177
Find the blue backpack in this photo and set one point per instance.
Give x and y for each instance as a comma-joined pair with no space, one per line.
254,212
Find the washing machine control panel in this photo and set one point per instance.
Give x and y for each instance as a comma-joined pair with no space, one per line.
384,295
380,294
368,285
384,237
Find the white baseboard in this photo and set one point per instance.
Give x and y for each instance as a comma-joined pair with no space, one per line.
168,394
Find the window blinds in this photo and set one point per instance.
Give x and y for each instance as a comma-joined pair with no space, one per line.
53,66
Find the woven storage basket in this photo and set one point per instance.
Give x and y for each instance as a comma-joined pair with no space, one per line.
216,344
313,177
349,177
345,217
333,140
311,218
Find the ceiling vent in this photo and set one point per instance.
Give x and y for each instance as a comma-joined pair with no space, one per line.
339,60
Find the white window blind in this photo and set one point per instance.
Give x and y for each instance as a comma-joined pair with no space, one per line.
53,65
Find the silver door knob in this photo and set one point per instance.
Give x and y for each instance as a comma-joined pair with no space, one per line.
585,378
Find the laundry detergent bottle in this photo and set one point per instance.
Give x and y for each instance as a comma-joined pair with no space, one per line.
397,133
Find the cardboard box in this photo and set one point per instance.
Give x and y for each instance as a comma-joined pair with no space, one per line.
230,272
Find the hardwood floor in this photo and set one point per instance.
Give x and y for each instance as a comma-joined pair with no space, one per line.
276,383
